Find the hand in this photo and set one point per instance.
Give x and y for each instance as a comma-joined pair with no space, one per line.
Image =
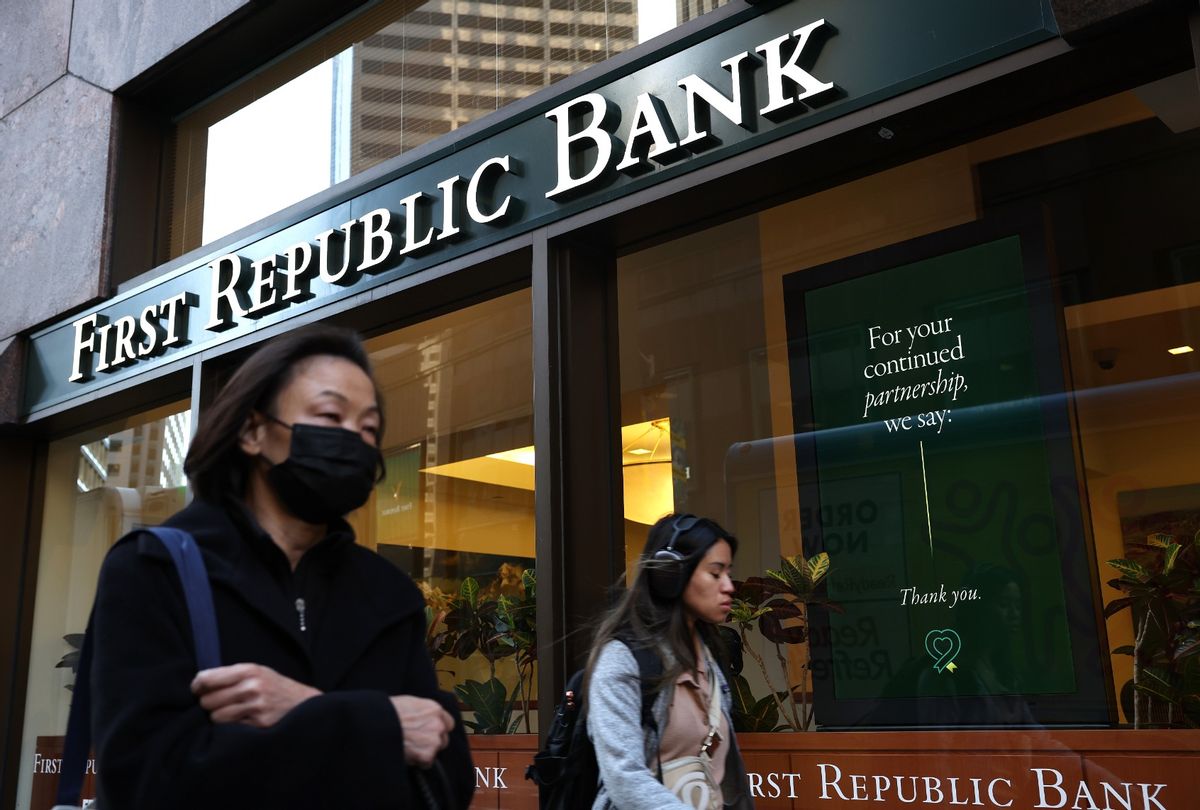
248,693
426,726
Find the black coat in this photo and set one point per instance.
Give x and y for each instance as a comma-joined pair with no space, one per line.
364,640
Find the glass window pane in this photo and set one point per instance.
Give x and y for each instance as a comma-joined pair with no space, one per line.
388,81
456,509
100,485
276,171
941,398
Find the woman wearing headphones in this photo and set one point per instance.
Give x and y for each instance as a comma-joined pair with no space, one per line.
658,707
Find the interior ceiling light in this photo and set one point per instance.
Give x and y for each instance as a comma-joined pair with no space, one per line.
649,484
522,455
1181,350
652,439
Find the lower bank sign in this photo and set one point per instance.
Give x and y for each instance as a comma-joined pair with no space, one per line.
1036,788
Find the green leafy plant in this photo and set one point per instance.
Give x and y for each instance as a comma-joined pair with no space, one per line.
1161,586
490,703
471,627
439,640
516,627
71,659
778,605
496,623
750,713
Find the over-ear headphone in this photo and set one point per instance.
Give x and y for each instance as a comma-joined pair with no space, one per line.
666,571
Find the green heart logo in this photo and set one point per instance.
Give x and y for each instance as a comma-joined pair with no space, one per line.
943,647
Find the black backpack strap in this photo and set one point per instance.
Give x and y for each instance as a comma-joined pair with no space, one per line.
197,593
650,669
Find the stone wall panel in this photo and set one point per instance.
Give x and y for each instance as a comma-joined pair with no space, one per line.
113,41
54,160
33,48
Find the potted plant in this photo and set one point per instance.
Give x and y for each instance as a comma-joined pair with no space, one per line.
778,605
1160,581
71,659
496,622
471,627
516,627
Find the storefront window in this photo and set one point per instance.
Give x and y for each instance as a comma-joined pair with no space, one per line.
100,485
385,82
934,404
456,510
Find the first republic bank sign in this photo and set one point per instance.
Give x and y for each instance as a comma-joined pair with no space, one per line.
759,74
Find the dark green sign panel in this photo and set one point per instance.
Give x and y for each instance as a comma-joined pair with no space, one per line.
757,75
940,480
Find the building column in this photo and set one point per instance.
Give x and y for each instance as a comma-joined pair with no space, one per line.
577,438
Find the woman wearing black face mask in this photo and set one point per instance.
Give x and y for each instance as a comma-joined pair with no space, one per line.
326,693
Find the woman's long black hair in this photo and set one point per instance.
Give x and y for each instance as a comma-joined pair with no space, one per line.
644,620
215,464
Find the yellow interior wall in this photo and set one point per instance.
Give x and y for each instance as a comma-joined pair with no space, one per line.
1129,445
465,524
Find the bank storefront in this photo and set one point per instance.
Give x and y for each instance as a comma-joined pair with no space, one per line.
907,296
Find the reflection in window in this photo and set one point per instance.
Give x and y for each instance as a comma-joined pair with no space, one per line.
398,78
706,361
456,507
100,485
139,457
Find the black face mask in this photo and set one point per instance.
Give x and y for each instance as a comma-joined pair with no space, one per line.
329,472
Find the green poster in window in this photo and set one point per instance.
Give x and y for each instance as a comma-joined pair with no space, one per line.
926,384
397,498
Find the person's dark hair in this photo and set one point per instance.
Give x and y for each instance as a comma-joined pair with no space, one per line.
644,620
982,620
215,465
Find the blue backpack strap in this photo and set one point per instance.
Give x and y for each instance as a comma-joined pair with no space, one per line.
197,592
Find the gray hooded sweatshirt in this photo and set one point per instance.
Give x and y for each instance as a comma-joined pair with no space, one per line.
628,753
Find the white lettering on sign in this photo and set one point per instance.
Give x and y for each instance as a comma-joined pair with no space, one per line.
227,282
242,287
103,346
588,151
585,127
930,790
925,345
1052,794
377,239
778,70
1050,789
731,108
476,196
491,778
53,765
601,113
911,596
649,118
772,785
